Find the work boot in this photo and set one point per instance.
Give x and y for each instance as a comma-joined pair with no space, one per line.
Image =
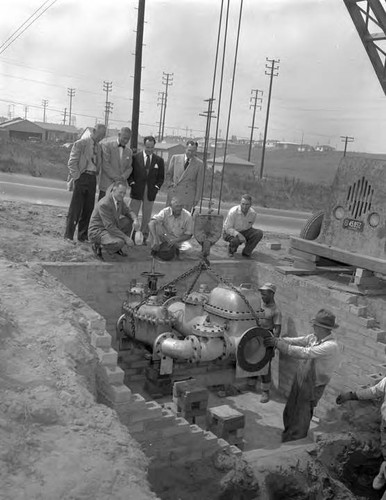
380,480
264,397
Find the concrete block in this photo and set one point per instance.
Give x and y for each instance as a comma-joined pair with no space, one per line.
363,273
358,310
160,423
274,246
115,375
120,393
375,378
102,339
107,355
235,450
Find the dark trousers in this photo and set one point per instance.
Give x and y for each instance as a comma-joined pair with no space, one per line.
299,409
252,236
81,207
102,194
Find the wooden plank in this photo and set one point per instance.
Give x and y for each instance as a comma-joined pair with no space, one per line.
339,255
293,270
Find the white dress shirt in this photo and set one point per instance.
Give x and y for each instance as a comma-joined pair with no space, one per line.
377,391
325,352
236,221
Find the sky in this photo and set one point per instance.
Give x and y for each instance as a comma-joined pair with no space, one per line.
326,86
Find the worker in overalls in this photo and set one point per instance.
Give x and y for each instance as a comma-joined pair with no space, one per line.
269,319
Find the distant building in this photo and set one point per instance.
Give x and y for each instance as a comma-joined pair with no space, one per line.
20,128
323,148
55,132
305,148
166,150
293,146
234,165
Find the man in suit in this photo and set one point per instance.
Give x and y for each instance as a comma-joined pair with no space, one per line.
111,222
145,181
117,159
185,176
84,165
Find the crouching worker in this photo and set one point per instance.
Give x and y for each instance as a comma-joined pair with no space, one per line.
377,391
168,229
112,222
319,353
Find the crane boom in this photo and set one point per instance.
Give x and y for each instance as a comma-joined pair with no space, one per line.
369,16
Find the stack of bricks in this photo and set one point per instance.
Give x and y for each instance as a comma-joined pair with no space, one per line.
227,423
157,385
134,362
190,400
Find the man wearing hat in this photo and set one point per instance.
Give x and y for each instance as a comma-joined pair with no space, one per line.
269,319
319,353
377,391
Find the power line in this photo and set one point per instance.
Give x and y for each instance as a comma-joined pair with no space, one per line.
7,44
161,102
107,87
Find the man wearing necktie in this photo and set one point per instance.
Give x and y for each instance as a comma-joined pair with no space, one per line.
185,176
111,222
117,160
145,181
84,166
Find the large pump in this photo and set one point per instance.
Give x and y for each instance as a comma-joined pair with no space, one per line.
202,326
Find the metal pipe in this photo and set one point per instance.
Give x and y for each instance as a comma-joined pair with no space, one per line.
193,348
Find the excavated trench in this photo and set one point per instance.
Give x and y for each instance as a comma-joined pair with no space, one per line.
230,476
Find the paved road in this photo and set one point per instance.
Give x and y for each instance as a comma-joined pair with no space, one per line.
44,191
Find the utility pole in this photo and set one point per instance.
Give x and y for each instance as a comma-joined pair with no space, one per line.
107,87
25,112
254,102
108,110
71,94
209,115
137,76
167,80
346,139
272,71
44,104
161,102
64,116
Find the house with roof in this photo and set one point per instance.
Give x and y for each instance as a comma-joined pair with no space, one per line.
20,128
324,148
234,165
56,132
167,149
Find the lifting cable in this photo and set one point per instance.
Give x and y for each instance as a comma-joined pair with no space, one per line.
208,121
230,107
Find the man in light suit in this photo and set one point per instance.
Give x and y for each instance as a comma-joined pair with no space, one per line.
145,181
117,159
84,165
111,222
185,177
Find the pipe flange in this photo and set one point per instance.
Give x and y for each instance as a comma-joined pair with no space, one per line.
208,330
121,326
196,347
228,347
158,342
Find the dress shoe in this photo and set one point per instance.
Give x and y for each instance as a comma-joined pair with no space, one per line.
97,251
245,255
